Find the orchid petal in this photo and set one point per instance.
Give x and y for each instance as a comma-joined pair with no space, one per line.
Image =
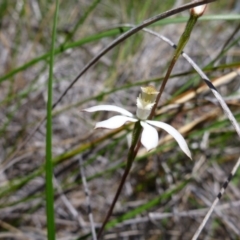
149,137
115,122
174,133
109,108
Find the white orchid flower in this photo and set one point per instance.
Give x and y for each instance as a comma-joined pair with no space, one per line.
145,102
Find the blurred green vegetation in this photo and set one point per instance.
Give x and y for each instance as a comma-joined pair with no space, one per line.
162,180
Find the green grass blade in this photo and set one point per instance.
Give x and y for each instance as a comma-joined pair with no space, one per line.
49,164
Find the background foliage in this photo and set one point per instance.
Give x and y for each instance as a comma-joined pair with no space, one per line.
166,195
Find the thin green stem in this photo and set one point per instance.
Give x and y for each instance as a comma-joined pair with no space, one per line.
179,48
49,164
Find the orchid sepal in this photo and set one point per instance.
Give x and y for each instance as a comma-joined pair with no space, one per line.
111,108
115,122
174,133
149,138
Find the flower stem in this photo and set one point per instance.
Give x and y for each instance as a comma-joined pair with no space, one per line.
131,156
179,48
